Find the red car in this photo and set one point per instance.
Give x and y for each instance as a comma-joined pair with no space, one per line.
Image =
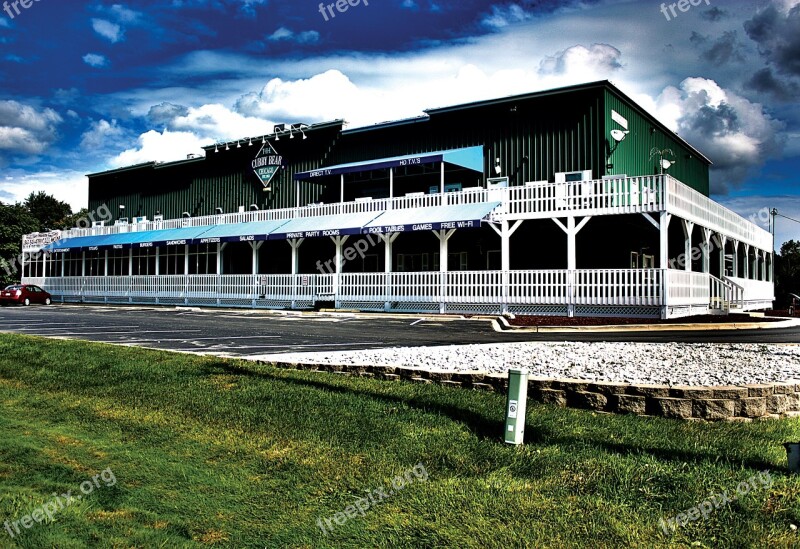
24,294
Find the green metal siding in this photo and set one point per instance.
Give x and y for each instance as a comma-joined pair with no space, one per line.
632,156
534,136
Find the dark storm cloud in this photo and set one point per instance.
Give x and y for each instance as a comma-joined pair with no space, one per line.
764,81
778,38
714,14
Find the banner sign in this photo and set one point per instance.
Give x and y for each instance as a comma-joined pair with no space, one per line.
266,164
37,241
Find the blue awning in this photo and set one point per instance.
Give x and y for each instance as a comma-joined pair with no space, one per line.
240,232
460,216
327,225
168,237
77,243
470,158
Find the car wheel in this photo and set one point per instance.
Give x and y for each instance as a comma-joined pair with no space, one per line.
26,302
47,301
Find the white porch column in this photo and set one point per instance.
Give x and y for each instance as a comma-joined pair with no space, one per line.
505,232
83,264
341,188
723,240
688,229
256,246
391,188
339,262
297,193
220,248
444,237
63,263
388,241
295,243
185,259
572,231
706,250
754,265
441,186
105,268
746,261
663,247
22,266
735,272
763,271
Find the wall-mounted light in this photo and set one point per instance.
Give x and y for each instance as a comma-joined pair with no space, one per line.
216,148
251,142
497,168
253,207
227,147
218,211
186,214
238,144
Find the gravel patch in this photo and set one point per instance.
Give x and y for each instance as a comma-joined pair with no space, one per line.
697,364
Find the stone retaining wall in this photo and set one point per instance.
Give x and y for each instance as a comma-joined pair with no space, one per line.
729,403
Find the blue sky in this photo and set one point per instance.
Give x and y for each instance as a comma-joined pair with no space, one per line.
87,86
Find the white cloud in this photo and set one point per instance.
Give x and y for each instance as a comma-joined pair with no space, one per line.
24,129
503,16
598,60
95,60
111,31
100,133
161,147
68,186
284,34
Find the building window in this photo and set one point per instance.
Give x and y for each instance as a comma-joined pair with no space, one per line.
144,261
95,263
73,262
172,260
202,259
118,261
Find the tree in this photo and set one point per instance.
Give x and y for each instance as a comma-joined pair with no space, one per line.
787,272
50,212
15,221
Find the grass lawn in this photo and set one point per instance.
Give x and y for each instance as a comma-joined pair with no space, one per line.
212,452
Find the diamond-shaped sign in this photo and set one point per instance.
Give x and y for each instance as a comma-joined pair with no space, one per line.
267,163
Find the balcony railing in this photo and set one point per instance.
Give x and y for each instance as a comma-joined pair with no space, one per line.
531,201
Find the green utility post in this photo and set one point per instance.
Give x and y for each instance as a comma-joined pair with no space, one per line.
515,410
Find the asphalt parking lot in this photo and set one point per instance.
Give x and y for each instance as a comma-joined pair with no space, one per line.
244,333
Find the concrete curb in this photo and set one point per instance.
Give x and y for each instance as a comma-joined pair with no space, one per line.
500,324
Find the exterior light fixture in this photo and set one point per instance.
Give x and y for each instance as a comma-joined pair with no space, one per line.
216,148
227,147
218,210
253,207
497,168
663,163
251,142
186,214
238,144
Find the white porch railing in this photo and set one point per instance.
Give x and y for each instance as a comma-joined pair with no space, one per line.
756,294
550,287
667,288
691,205
597,197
